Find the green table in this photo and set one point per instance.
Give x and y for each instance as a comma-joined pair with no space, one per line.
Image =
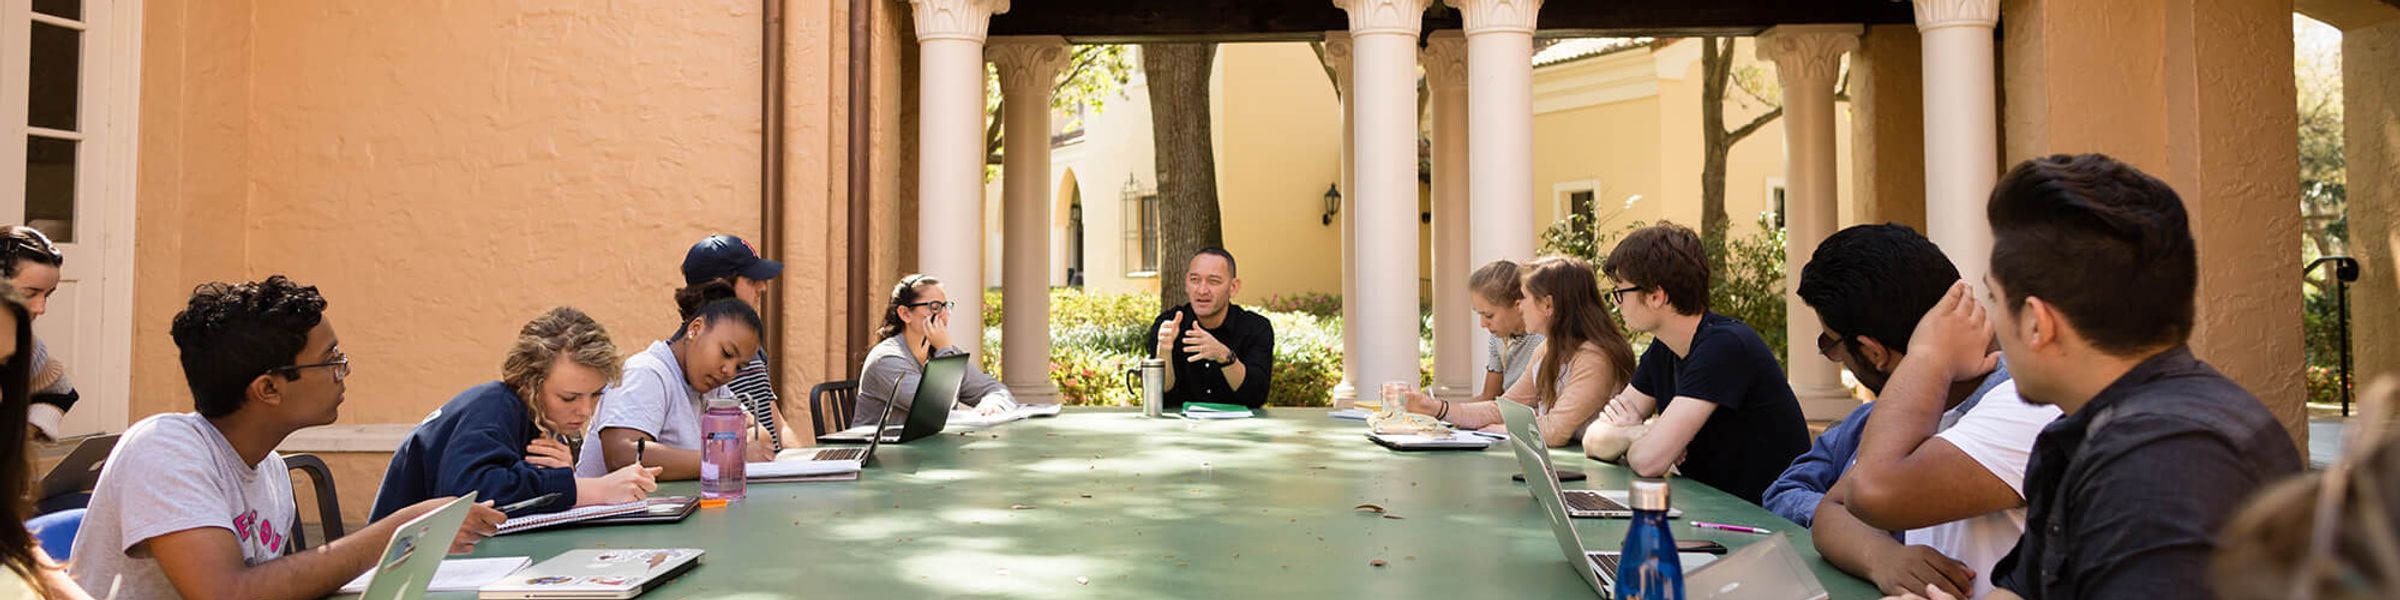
1152,508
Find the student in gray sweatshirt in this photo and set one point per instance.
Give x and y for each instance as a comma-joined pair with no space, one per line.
916,328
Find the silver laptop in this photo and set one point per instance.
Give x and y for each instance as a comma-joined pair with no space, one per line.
598,573
856,456
936,391
415,553
1765,570
1581,504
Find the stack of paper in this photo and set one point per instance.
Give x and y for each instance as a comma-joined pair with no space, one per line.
457,575
782,470
968,419
1213,411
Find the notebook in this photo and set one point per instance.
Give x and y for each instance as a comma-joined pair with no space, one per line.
663,509
968,419
457,574
1456,440
608,573
1215,411
532,522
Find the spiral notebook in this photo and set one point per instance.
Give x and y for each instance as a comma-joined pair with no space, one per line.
532,522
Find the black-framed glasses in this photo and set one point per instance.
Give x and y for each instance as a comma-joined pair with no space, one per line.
1619,293
1826,342
939,306
340,365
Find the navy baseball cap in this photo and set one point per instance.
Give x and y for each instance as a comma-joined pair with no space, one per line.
722,256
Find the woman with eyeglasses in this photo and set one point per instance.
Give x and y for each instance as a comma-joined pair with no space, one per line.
508,440
31,264
916,328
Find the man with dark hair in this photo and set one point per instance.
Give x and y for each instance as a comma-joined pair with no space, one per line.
1217,352
201,505
1870,285
2094,272
1723,410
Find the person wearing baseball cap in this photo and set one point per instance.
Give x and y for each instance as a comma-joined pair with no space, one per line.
723,266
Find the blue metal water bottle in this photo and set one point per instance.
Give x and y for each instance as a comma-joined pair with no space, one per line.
1649,568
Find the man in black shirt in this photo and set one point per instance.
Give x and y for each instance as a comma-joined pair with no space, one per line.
1729,417
2092,279
1217,352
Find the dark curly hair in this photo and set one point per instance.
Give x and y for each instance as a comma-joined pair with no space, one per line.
19,243
2106,244
231,334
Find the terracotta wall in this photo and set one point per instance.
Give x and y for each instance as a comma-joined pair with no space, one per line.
2200,94
445,171
1887,100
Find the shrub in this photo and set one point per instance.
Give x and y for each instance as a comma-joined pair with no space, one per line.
1309,303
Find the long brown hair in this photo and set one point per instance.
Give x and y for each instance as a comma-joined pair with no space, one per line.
16,472
1578,318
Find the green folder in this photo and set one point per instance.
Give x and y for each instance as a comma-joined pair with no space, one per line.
1212,410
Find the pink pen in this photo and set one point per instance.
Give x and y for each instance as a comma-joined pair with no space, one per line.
1722,526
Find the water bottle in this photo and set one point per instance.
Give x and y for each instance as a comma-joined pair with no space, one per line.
723,451
1154,386
1649,568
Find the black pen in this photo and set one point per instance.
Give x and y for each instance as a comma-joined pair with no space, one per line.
638,446
530,503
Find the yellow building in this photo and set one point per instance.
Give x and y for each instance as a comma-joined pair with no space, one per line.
1616,135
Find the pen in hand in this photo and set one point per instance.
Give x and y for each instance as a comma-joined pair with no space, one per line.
529,503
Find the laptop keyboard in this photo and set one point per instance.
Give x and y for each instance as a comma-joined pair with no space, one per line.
1591,501
1604,562
842,454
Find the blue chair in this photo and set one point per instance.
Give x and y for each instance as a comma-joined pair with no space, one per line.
56,532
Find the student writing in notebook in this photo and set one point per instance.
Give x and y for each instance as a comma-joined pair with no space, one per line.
652,413
723,266
1497,288
503,440
916,328
1584,360
199,505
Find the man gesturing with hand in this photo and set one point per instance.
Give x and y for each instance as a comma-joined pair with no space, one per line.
1216,352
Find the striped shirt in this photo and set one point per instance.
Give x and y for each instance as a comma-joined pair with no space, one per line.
757,393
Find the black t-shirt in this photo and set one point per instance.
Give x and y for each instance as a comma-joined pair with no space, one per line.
1757,428
1252,340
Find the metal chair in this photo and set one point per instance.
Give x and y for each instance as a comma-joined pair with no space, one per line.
833,402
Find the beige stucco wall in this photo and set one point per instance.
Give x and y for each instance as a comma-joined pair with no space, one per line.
444,172
1279,144
2199,94
1887,100
2371,105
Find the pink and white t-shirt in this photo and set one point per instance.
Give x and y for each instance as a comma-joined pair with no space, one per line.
172,473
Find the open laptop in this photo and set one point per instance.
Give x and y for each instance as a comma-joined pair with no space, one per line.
929,410
415,553
596,573
855,456
1581,504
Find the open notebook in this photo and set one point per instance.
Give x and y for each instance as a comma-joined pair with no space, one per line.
967,418
532,522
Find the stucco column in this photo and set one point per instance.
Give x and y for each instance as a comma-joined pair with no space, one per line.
2371,143
1028,67
1808,60
1337,57
1383,71
1500,127
1456,362
950,156
1962,143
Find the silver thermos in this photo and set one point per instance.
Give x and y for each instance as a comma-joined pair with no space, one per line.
1154,386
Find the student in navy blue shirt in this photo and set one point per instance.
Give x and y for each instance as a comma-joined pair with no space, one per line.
492,441
1725,415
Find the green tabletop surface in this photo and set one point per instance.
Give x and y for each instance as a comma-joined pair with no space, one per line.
1104,503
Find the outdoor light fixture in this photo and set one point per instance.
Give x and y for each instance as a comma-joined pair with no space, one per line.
1333,202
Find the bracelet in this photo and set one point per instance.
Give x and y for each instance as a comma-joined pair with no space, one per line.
1445,412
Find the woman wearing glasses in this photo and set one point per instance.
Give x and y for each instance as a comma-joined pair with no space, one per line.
916,328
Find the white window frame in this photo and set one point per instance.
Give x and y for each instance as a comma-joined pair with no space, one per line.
108,124
1768,203
1561,192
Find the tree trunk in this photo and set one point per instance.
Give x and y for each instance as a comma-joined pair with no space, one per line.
1186,163
1716,69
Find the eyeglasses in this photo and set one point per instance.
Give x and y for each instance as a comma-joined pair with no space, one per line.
1619,293
939,306
1826,342
340,365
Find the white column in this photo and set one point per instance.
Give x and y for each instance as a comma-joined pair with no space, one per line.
1337,56
950,156
1808,60
1028,67
1383,71
1500,127
1456,362
1962,139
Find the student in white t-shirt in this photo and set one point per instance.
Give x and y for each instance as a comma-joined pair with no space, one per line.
1942,456
199,505
652,414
